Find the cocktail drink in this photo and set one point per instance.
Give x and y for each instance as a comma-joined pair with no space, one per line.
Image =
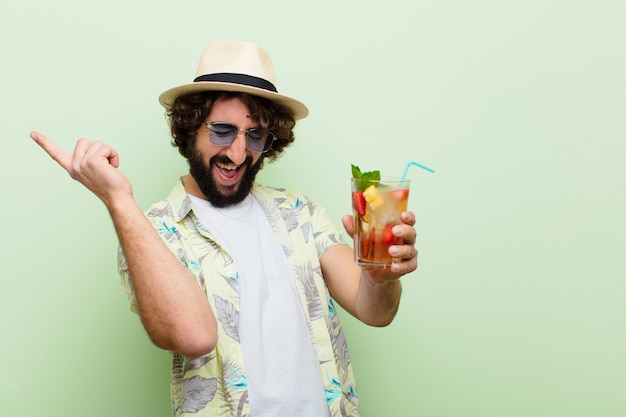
377,205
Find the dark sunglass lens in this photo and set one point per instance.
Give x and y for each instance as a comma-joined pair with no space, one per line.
224,129
256,139
222,134
267,142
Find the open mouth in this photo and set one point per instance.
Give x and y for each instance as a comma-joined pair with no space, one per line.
228,171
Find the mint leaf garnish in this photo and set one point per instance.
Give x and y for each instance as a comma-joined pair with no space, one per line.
366,178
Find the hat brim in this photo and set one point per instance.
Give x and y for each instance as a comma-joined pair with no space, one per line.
167,98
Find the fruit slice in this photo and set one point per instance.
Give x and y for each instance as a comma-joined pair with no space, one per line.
358,202
388,237
400,194
373,197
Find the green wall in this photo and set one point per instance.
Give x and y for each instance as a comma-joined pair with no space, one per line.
518,307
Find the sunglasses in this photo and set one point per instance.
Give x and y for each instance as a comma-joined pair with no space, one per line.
223,134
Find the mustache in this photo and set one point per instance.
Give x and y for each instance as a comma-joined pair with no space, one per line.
223,159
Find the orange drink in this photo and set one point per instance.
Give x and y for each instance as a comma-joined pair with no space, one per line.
377,205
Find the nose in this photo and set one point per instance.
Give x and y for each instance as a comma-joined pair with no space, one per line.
236,151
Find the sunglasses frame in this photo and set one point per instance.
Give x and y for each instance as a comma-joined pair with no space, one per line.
235,132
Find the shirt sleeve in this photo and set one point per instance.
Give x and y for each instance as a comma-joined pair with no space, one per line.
326,231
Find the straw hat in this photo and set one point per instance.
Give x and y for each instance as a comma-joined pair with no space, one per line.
235,66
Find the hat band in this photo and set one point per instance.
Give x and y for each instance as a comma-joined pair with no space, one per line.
243,79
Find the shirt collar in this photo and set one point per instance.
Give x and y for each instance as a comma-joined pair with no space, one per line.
181,205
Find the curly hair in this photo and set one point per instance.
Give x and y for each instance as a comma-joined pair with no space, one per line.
189,112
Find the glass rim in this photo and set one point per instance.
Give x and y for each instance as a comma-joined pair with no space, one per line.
383,180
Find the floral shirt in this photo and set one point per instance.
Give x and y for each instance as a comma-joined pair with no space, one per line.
215,384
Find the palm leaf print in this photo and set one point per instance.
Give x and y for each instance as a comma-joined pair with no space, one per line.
228,317
235,389
273,215
196,393
310,290
160,212
306,229
342,350
233,281
290,217
198,363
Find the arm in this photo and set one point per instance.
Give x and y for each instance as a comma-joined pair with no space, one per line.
172,306
370,295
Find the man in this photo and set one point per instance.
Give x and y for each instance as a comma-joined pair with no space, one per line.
235,279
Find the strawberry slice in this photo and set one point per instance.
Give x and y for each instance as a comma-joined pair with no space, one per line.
358,203
388,238
400,194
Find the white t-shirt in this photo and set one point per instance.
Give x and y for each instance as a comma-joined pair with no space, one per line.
281,366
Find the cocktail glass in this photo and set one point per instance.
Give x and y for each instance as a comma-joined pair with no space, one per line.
377,206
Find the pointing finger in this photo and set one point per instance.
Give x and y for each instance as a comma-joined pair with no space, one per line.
62,157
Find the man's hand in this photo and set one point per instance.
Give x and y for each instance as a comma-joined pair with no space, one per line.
93,164
406,252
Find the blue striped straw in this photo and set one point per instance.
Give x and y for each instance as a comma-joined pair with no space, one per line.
406,169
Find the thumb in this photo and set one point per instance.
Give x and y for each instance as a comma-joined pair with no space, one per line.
348,224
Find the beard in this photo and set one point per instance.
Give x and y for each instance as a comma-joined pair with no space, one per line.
222,196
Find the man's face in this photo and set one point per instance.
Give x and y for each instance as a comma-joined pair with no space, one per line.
224,174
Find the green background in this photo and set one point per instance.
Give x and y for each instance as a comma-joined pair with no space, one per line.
518,307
